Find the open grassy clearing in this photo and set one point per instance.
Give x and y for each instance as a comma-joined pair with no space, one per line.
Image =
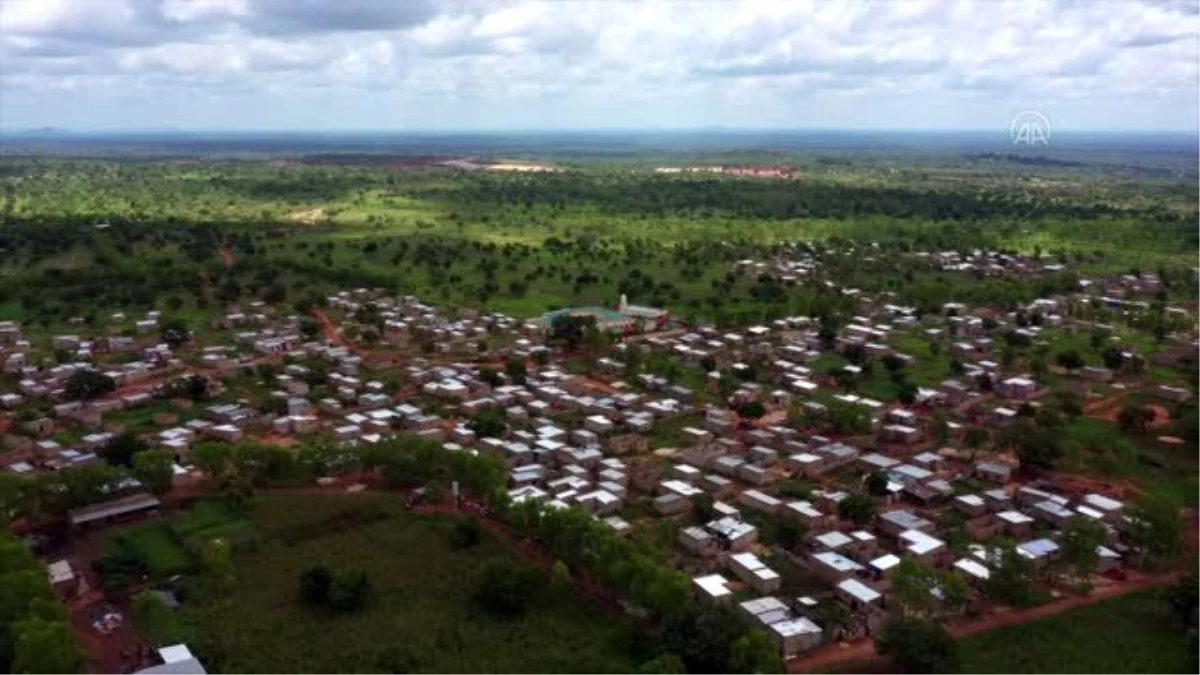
421,600
167,548
1129,634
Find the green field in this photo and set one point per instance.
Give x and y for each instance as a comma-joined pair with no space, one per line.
1129,634
153,542
166,547
525,244
421,600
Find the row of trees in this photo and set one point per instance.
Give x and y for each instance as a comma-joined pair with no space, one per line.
701,637
652,195
635,568
237,470
52,494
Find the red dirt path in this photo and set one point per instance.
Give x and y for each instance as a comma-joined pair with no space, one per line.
332,334
1076,485
111,653
864,650
1109,408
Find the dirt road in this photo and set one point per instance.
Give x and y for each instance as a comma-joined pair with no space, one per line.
864,650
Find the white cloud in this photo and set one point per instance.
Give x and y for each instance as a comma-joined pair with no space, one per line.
607,63
32,16
185,11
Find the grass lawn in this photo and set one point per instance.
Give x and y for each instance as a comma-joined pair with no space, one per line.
1098,447
421,601
164,555
1129,634
668,432
210,519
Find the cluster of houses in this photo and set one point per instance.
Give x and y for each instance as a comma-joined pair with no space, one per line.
627,446
142,367
778,171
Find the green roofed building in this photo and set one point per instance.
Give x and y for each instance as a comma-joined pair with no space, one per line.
626,318
606,319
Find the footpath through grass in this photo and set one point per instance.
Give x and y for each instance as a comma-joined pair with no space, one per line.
421,605
1129,634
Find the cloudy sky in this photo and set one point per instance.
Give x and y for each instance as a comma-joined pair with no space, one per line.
570,64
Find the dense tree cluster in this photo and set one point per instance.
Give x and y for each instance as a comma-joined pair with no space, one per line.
86,384
659,196
35,636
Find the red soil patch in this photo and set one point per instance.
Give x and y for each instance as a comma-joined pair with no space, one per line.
277,439
376,358
1109,409
119,651
1076,485
1102,404
332,334
601,385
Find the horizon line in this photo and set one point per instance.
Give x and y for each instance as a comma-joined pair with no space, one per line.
52,129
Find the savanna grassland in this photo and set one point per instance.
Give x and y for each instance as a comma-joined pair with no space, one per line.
421,616
194,231
131,232
1129,634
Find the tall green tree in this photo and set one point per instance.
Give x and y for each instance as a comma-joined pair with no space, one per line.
1037,447
1010,576
155,469
912,587
18,496
856,508
515,368
918,646
87,384
215,459
120,449
956,593
1157,530
754,652
1080,541
43,646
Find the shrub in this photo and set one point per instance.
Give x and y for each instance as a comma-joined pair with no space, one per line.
314,585
344,591
84,385
466,534
349,591
918,646
505,588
